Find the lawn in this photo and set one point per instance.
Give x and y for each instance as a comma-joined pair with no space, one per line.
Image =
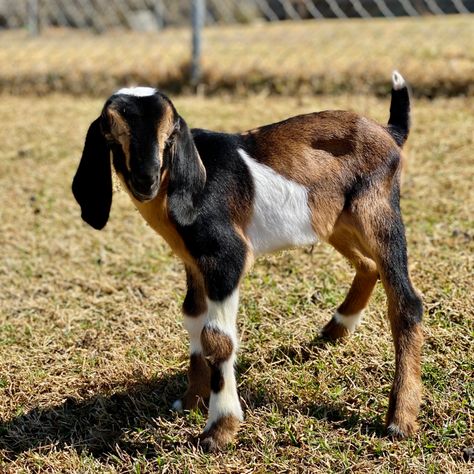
93,351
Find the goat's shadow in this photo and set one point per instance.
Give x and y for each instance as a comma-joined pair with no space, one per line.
96,425
338,414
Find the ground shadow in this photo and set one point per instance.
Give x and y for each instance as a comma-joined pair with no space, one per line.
338,414
95,425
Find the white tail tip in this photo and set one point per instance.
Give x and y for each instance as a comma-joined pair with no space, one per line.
397,81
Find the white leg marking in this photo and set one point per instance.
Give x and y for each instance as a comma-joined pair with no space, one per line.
281,215
226,402
397,81
350,322
223,316
194,325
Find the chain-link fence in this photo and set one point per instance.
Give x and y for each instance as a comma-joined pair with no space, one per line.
150,15
93,46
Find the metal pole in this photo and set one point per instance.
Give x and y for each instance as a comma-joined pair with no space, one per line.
159,14
198,14
33,17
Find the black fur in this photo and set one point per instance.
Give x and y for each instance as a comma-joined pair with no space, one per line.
92,184
211,238
217,379
187,176
399,120
396,264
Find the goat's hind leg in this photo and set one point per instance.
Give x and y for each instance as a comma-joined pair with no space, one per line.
349,314
383,226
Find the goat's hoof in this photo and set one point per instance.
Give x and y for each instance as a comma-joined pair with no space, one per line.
402,430
177,406
190,402
334,331
220,434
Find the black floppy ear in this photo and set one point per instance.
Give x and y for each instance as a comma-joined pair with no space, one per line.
92,184
187,176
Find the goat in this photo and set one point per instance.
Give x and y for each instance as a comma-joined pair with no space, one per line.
220,200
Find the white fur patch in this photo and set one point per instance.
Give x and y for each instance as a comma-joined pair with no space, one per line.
350,322
222,315
281,215
137,91
397,81
226,402
194,327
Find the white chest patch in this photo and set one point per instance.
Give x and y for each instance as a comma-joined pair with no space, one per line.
281,215
137,91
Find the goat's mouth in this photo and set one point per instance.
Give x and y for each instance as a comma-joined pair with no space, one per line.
144,195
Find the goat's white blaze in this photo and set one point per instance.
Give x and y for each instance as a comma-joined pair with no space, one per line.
137,91
281,214
222,316
351,322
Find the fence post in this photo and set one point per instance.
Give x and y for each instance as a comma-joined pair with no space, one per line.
198,14
159,14
33,17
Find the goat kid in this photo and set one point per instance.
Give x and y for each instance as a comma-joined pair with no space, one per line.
220,200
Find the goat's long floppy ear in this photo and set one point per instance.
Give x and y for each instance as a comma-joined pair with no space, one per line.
92,184
187,176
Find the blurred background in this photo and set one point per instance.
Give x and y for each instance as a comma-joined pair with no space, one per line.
242,46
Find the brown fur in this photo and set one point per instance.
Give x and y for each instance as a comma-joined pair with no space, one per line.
334,331
347,241
199,383
120,131
220,434
372,216
217,347
323,151
195,284
164,127
155,213
405,395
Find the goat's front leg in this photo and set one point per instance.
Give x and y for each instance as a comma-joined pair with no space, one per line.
199,374
219,346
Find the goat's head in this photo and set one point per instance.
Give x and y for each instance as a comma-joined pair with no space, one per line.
146,136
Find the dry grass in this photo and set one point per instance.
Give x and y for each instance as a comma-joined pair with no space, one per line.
92,347
310,56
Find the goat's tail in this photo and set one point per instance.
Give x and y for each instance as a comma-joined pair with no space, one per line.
399,121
